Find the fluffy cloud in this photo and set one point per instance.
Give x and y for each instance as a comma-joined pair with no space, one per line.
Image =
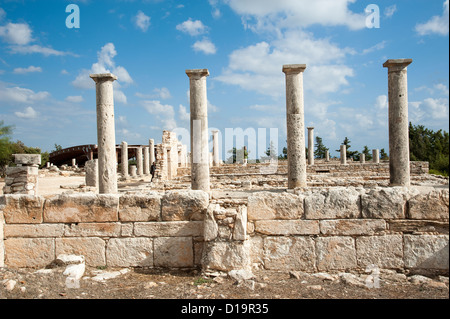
163,114
74,99
437,24
192,28
142,21
205,46
30,69
16,33
28,113
21,95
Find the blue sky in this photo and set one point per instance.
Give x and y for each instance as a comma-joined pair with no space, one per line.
46,93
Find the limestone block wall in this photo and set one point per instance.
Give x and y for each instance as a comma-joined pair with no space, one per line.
327,229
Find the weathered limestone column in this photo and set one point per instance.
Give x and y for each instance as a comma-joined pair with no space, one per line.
310,145
343,154
133,170
398,122
124,157
199,129
74,162
376,156
295,125
140,170
362,158
327,156
216,159
146,161
91,177
151,143
106,134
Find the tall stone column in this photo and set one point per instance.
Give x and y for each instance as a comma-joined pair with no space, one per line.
362,158
399,168
139,162
124,158
295,125
310,145
106,134
343,154
151,143
216,159
376,156
199,129
327,156
146,161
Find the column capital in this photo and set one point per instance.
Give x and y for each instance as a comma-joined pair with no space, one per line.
103,77
197,73
310,128
397,63
293,68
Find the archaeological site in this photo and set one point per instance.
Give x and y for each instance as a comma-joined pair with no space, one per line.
181,206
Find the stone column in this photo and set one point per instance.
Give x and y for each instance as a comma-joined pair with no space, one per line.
343,154
106,134
124,157
199,129
139,162
376,156
133,170
310,145
362,158
216,159
295,125
151,143
146,161
74,162
327,156
399,167
91,177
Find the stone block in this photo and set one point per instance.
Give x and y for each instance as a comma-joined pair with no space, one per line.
426,251
18,171
210,227
81,208
23,209
34,230
168,229
413,226
337,202
385,203
289,253
335,253
92,248
130,252
173,252
381,251
433,205
27,159
184,205
352,227
91,168
287,227
2,244
140,207
92,230
240,224
268,205
226,256
29,252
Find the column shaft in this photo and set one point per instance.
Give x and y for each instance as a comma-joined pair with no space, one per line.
216,159
139,162
343,154
124,158
310,145
151,142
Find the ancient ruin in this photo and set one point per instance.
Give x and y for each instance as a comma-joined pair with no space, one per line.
329,215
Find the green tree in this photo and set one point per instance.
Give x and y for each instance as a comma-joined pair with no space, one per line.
5,146
320,151
350,154
237,154
383,155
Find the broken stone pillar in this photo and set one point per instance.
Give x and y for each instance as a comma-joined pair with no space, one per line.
362,158
133,170
23,179
140,170
343,154
295,125
310,145
199,129
74,162
124,157
106,135
151,143
399,168
216,159
146,161
327,156
376,156
91,168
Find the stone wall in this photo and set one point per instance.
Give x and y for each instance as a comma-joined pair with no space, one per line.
331,229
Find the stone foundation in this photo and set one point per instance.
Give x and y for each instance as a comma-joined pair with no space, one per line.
335,229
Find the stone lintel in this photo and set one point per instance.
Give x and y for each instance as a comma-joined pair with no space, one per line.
294,68
103,77
27,159
397,63
197,72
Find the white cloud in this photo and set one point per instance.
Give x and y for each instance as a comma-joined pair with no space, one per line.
30,69
142,21
164,114
183,114
437,24
192,28
379,46
389,11
16,33
74,99
30,49
205,46
29,113
21,95
442,88
162,93
2,14
104,64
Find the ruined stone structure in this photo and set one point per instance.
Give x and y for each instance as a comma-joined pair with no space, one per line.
23,179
